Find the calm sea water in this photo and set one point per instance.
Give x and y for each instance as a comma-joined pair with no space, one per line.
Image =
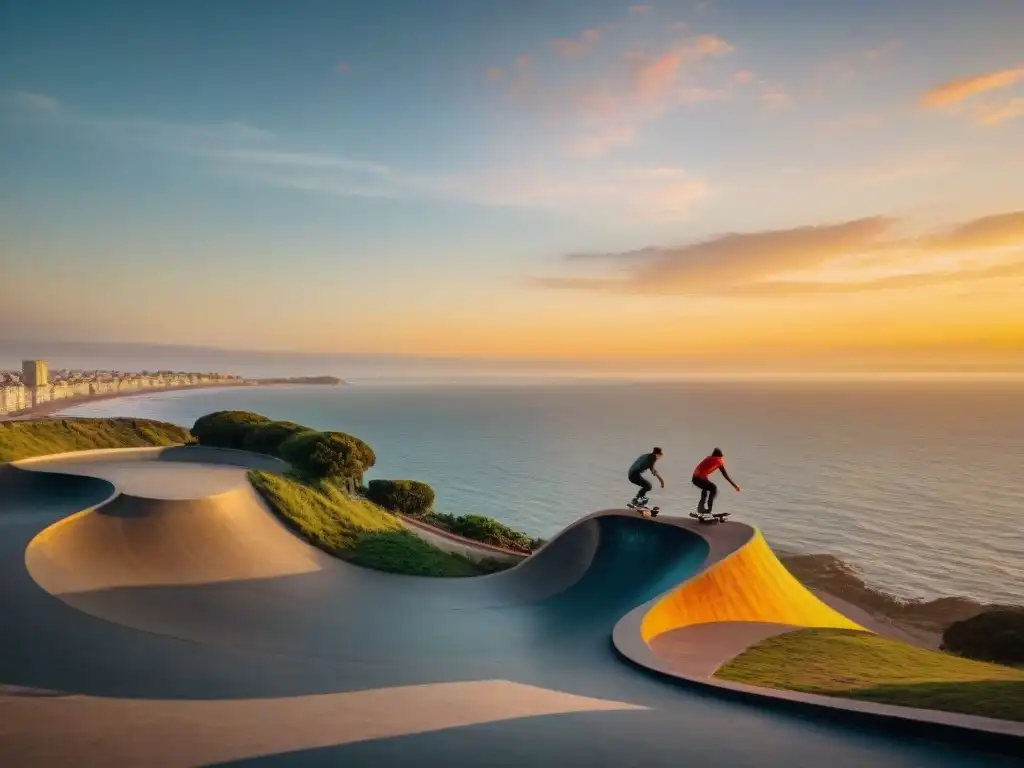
920,486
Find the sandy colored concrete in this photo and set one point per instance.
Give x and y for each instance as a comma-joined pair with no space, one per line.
222,730
698,650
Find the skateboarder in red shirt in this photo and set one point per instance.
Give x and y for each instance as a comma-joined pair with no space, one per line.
708,490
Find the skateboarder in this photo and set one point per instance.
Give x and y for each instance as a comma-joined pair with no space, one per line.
643,464
708,490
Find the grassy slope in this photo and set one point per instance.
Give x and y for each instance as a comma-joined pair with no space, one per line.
857,665
39,437
354,529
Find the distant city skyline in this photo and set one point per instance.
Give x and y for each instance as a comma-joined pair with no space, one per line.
673,187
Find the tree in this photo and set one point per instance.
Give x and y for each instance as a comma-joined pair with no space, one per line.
364,452
409,497
226,429
996,636
268,437
329,455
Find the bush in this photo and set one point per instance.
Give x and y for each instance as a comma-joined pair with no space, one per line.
326,455
364,452
484,529
410,497
226,429
268,437
996,636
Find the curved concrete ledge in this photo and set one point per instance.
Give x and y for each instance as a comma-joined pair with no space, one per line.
203,454
948,727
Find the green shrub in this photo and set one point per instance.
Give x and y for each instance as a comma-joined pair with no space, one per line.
367,458
268,437
328,455
226,429
410,497
996,636
484,529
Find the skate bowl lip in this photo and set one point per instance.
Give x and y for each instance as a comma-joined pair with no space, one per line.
626,638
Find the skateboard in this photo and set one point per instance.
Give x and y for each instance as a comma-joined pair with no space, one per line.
645,511
709,518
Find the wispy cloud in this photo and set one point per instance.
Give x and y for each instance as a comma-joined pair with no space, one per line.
344,68
654,77
611,112
638,193
641,8
577,46
997,114
764,263
602,140
955,91
246,153
32,102
298,160
995,231
974,98
774,96
607,108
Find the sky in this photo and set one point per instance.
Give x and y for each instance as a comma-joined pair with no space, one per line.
711,185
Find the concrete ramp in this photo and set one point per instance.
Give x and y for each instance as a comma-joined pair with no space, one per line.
750,585
133,541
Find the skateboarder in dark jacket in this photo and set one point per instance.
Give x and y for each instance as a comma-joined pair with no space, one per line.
643,464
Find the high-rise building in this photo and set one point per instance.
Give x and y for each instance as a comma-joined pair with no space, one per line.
34,373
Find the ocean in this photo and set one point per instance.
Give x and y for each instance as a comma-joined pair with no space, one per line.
918,485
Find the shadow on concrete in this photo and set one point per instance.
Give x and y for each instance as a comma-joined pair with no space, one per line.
617,739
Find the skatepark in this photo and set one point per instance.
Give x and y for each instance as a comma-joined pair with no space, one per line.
157,613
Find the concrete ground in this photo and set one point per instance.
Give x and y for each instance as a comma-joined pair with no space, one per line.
168,619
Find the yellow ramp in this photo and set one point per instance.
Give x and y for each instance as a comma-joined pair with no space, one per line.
749,585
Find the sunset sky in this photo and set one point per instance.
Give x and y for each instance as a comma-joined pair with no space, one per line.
727,184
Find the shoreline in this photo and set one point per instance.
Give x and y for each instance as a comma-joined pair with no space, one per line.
54,407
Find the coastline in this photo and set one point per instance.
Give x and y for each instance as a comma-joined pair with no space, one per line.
54,407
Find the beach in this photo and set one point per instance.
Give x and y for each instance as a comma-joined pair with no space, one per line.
54,407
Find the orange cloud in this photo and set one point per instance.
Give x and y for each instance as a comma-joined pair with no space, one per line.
344,68
694,95
602,140
653,78
774,96
756,263
996,231
570,48
743,77
641,8
607,111
955,91
997,114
